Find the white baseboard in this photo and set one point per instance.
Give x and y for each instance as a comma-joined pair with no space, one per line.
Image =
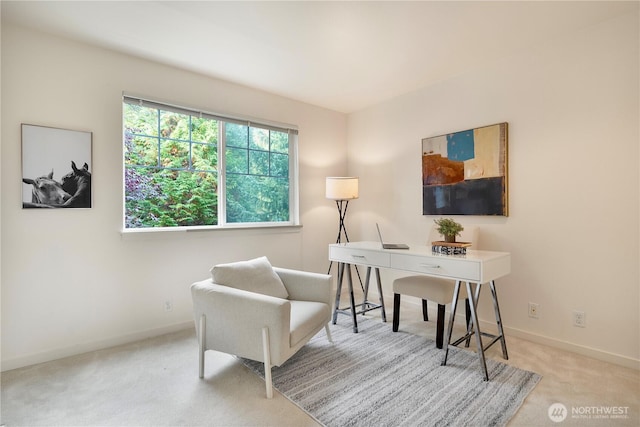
59,353
594,353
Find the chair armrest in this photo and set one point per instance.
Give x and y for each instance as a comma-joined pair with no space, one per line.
306,286
235,319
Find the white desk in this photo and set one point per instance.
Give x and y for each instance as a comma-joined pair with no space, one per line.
479,267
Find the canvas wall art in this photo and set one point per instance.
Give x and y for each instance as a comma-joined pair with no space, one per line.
465,173
56,168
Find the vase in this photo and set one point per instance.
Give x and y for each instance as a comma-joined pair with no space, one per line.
450,239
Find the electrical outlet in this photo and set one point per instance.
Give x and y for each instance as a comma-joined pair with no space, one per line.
168,305
533,310
579,319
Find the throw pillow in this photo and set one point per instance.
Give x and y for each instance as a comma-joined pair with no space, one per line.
255,275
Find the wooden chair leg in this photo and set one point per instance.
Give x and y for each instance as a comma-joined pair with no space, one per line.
267,362
201,345
425,313
328,331
440,326
396,312
467,316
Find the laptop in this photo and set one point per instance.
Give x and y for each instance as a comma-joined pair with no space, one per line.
390,245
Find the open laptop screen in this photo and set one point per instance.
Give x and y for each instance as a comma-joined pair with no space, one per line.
389,245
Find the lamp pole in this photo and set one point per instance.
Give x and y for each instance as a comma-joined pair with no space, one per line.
342,206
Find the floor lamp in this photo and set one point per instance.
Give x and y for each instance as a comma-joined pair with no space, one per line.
342,189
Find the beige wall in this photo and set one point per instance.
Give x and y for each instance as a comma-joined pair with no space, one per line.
572,109
70,281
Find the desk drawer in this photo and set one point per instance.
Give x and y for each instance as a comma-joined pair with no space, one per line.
359,256
439,266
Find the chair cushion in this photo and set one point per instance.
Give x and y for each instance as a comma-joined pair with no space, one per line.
429,288
306,317
255,275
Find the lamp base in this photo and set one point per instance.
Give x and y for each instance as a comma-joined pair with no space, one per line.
342,206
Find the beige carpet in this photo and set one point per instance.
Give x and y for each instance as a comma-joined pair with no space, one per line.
155,382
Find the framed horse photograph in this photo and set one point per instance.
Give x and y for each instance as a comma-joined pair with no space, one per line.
56,168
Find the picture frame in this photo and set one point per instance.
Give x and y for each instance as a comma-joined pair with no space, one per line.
56,167
465,172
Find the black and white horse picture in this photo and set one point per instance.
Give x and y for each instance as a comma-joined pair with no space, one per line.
56,167
73,191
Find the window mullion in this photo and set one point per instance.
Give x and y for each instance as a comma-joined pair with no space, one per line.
222,174
269,153
190,160
158,130
294,194
248,171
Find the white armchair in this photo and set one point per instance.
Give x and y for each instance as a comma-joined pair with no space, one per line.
241,316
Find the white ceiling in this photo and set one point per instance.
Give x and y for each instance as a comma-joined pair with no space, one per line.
344,56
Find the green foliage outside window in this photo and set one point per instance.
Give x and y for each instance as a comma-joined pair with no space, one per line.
171,170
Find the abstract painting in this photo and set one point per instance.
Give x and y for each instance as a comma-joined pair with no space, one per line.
465,173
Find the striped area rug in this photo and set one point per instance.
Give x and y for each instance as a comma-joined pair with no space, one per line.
380,378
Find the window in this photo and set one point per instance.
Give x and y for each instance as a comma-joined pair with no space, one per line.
185,168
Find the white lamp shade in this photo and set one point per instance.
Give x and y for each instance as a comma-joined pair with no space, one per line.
342,187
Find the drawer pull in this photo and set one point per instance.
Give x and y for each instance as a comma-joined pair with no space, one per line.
430,265
359,256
